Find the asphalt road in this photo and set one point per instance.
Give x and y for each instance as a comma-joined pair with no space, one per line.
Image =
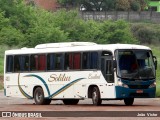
140,106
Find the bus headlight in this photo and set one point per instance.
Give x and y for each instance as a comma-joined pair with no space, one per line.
152,85
120,83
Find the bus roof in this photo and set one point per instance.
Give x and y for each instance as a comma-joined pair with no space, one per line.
74,47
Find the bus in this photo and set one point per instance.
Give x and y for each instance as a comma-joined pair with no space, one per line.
74,71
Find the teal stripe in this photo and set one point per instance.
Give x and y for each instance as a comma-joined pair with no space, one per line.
4,92
28,96
64,87
41,79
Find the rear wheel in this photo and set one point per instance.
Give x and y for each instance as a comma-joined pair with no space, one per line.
39,97
70,101
96,99
128,101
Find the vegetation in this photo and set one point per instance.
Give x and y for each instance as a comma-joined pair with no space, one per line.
107,5
22,25
28,26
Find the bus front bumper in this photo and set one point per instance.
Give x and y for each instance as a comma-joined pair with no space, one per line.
122,92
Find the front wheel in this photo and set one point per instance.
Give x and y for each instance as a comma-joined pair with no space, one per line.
128,101
39,97
96,99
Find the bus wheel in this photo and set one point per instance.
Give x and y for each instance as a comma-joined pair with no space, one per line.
128,101
96,96
70,101
39,97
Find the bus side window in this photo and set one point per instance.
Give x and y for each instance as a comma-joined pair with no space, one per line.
59,62
77,60
23,62
51,62
68,61
86,60
90,60
41,62
16,63
9,64
33,62
94,60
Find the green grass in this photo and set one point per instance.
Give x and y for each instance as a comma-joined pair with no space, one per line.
1,86
156,52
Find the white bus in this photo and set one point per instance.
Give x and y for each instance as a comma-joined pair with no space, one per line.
76,71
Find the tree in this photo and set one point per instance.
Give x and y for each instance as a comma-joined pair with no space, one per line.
135,5
144,4
116,32
122,5
108,5
11,36
8,34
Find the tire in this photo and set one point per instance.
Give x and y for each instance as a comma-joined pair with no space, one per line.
39,97
129,101
70,101
96,99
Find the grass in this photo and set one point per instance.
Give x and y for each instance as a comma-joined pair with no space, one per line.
1,86
156,52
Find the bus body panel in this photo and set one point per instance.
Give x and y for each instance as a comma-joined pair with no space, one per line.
74,84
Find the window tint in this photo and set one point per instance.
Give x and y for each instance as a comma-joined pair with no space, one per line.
72,61
85,61
68,61
9,64
42,62
94,60
90,60
55,61
21,63
38,62
33,62
77,60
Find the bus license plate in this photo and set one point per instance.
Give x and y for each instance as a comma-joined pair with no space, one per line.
139,91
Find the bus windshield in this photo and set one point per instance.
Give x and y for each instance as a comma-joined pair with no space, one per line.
135,64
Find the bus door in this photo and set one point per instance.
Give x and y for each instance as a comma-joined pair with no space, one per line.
108,73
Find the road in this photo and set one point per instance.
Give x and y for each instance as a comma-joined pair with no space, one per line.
140,106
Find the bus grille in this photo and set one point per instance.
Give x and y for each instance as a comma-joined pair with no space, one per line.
138,86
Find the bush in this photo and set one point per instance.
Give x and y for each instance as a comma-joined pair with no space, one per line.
146,33
11,36
135,6
116,32
122,5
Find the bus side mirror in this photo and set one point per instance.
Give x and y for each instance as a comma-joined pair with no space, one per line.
114,64
155,62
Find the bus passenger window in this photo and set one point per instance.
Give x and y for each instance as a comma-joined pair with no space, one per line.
68,61
94,60
16,63
85,60
59,62
77,60
50,62
33,62
55,61
9,64
90,60
23,62
42,62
